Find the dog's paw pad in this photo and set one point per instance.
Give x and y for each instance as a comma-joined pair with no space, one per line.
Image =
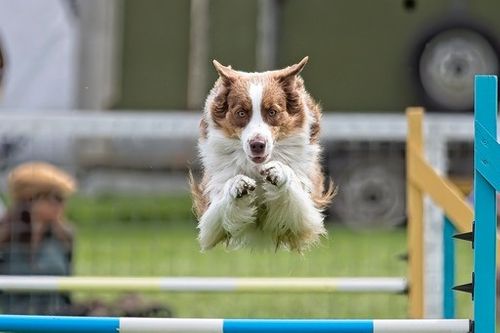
242,186
273,173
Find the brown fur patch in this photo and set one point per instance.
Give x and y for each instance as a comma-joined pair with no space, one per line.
218,109
231,109
316,114
293,94
275,98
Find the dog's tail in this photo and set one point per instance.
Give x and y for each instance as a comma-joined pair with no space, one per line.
200,202
325,198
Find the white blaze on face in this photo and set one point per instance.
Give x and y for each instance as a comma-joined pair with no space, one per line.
257,129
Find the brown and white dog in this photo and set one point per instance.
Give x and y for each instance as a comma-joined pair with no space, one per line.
262,179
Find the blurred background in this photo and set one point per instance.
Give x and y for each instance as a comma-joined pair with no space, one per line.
123,68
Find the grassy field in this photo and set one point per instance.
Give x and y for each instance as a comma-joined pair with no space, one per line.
157,237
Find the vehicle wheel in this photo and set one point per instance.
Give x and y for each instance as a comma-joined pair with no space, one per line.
448,63
371,196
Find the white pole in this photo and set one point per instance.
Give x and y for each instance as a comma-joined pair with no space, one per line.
267,34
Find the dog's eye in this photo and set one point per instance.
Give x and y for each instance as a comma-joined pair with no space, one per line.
242,114
271,112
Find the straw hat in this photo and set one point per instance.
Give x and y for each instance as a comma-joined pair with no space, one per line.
30,179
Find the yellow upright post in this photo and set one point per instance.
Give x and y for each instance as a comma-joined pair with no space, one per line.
415,209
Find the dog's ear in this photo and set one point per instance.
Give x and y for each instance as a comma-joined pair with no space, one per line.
228,76
226,73
290,72
287,77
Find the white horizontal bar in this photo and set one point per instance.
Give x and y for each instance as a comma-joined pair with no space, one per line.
360,285
28,283
204,284
198,284
184,124
371,284
174,325
421,326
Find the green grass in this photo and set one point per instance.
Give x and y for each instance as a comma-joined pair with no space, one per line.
157,237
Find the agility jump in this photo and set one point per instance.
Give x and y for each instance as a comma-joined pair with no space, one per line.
483,286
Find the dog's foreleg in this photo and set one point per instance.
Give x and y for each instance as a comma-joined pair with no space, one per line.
291,216
229,214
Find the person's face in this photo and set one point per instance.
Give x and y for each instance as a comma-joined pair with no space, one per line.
48,208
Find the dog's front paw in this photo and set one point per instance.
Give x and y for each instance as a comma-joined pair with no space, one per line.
274,173
241,186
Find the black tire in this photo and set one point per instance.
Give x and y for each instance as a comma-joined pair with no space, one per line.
445,62
371,195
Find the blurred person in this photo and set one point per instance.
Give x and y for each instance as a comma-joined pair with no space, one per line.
35,238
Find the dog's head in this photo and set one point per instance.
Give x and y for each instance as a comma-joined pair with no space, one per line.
258,109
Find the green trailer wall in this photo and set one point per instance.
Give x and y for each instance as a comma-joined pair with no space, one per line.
362,52
154,57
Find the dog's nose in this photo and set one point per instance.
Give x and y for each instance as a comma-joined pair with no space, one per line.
257,146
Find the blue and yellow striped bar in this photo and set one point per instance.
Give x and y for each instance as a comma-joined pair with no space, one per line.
203,284
50,324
